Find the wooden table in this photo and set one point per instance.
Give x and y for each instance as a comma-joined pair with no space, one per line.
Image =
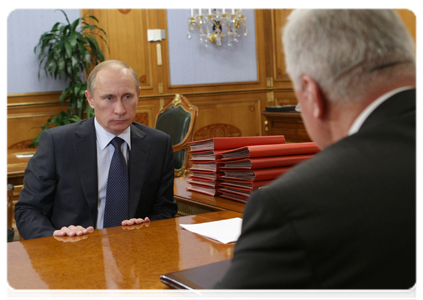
289,124
115,258
193,203
16,166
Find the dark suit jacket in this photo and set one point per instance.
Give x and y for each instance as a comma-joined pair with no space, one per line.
345,219
61,186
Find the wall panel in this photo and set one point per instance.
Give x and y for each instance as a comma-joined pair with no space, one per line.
129,45
279,17
236,118
26,113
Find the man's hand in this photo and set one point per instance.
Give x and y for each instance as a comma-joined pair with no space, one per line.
73,231
136,226
135,221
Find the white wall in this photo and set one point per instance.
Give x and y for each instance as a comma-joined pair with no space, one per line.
24,28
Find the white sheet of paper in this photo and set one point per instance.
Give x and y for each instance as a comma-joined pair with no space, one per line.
224,231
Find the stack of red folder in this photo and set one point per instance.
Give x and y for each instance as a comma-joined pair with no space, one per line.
248,168
206,156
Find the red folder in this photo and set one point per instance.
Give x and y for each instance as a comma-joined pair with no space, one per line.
241,184
207,175
265,162
202,189
204,182
255,175
232,196
206,166
239,192
206,155
220,143
271,150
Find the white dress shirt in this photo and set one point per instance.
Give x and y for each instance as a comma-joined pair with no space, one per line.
104,157
369,109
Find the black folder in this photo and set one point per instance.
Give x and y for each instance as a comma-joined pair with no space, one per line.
203,277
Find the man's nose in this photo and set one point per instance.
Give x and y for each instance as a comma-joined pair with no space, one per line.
120,108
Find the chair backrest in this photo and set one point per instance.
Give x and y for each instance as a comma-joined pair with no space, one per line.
177,118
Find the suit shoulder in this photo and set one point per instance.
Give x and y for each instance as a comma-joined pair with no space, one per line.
150,131
70,128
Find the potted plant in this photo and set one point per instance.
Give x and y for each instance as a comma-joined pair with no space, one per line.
70,49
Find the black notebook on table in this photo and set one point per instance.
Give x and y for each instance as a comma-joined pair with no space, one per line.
203,277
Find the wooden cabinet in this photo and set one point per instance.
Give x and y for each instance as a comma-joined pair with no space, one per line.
288,124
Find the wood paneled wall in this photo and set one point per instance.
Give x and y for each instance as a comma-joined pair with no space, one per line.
231,109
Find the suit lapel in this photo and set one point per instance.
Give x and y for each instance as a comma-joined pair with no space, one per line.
86,158
138,166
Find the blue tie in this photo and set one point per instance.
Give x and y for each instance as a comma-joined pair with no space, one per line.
117,197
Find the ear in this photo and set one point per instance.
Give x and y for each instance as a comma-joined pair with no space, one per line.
314,96
89,99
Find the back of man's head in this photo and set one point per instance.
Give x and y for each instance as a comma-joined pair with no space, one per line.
347,52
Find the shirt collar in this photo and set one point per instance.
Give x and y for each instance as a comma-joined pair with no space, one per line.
369,109
104,137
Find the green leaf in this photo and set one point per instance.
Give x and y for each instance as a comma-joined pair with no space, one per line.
68,48
74,60
65,120
61,66
36,140
69,68
87,58
66,16
76,89
74,25
72,105
89,27
93,43
64,93
57,48
90,111
55,26
75,119
52,67
92,17
73,39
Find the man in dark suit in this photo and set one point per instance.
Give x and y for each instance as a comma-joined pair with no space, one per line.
345,219
67,190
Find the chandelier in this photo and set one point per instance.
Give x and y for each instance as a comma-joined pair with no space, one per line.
217,24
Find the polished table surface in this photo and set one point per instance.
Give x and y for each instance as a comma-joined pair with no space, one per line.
131,257
16,166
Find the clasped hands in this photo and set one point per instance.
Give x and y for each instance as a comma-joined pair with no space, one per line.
79,230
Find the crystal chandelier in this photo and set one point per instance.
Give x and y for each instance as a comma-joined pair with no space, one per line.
216,25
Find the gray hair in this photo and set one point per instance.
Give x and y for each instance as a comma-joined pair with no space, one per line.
347,51
109,64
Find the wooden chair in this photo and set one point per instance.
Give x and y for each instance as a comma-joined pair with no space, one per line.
177,118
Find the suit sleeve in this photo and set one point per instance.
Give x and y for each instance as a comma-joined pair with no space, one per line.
34,207
165,206
268,253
